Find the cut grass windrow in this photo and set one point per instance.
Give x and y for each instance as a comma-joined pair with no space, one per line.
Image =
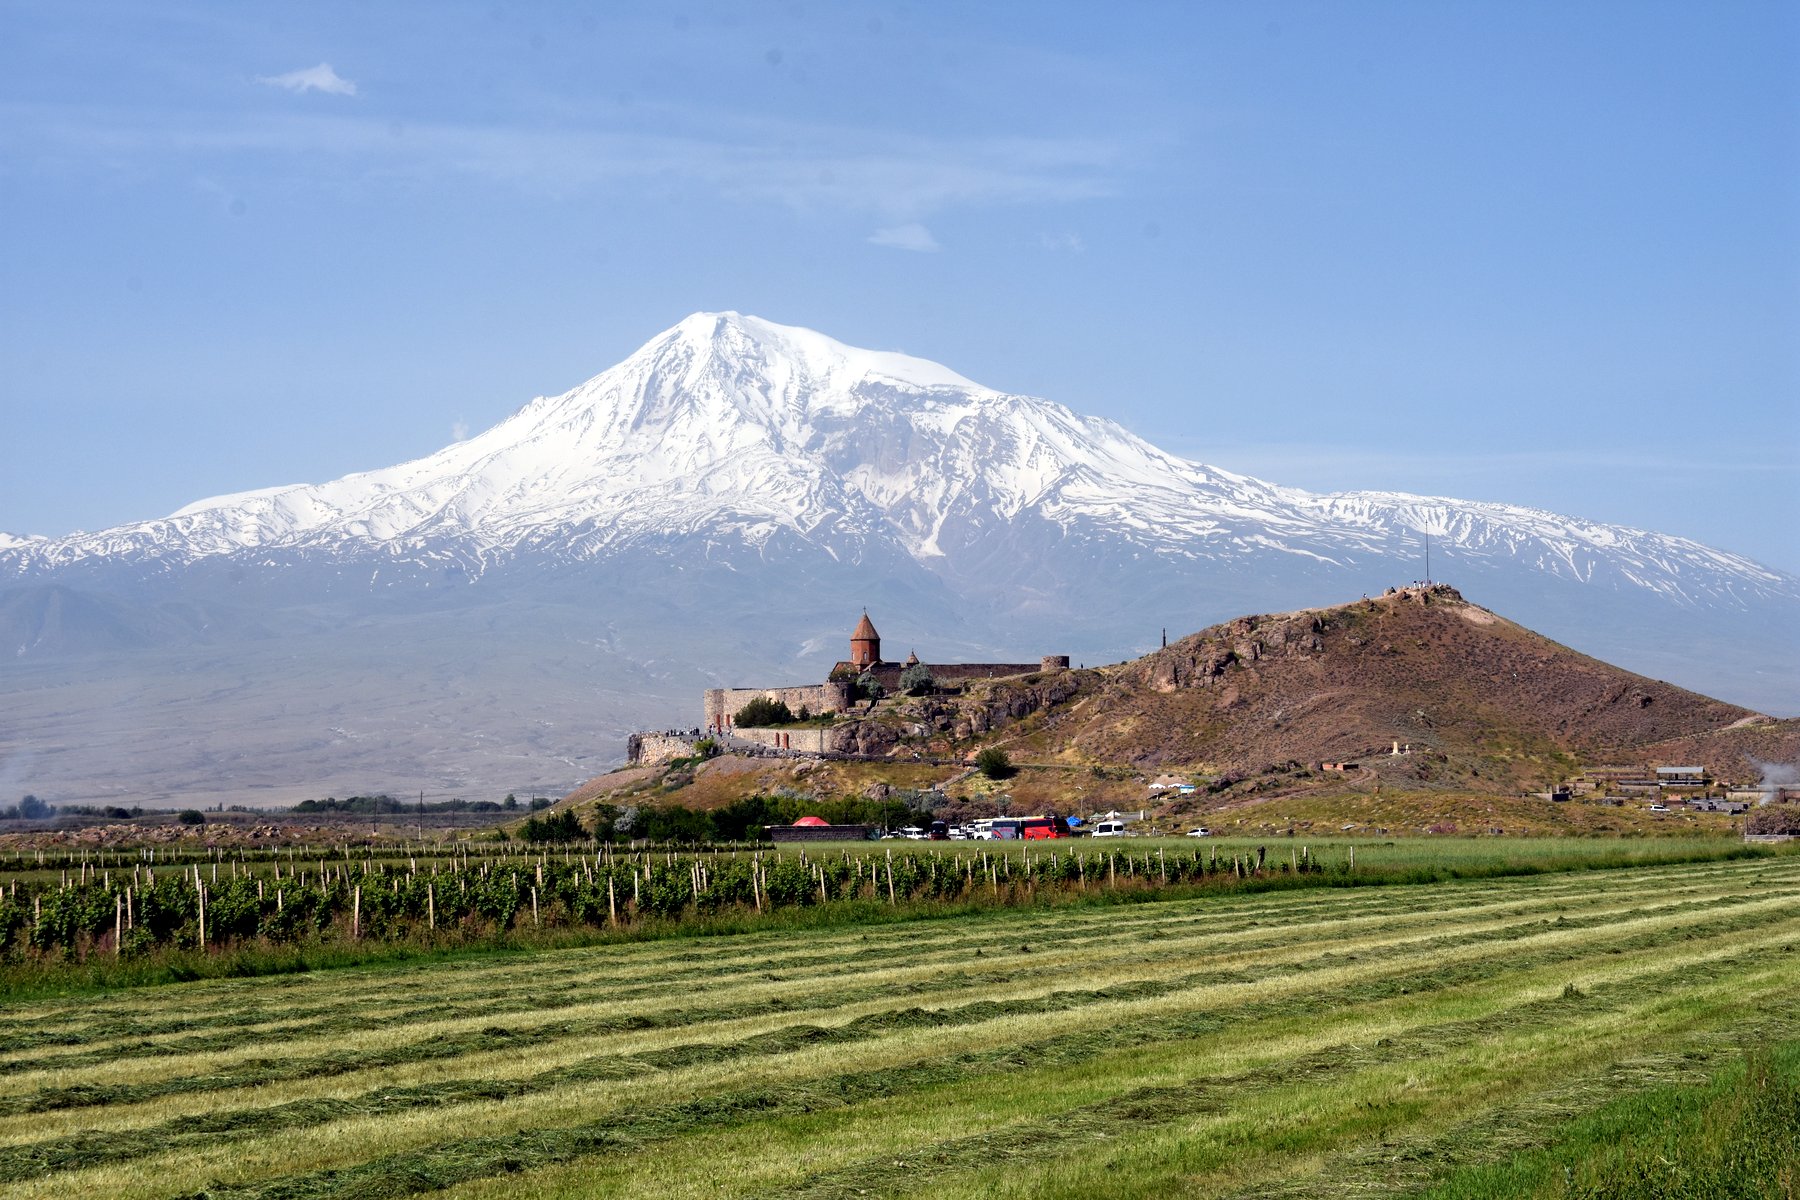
1254,927
957,1042
497,1038
27,1161
455,1161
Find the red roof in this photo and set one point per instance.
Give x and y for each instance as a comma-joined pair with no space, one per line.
865,628
812,821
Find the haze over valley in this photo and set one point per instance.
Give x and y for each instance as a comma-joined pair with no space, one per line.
714,510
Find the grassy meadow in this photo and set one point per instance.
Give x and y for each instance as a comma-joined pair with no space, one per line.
1471,1037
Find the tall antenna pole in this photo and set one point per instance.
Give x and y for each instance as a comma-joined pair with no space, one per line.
1428,556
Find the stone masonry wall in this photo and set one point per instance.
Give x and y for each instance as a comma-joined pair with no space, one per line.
800,739
653,749
722,703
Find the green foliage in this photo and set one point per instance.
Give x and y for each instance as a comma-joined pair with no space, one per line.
994,763
916,680
384,804
192,816
1738,1134
869,687
564,826
33,809
762,712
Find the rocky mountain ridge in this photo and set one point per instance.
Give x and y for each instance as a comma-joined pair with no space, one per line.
706,513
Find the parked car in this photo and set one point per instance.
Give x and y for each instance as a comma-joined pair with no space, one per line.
1203,831
1109,829
1659,808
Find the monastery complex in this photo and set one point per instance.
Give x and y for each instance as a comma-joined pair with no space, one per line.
843,688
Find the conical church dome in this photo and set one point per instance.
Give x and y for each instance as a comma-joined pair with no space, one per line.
865,643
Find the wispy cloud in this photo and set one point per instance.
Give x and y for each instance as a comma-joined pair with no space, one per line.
459,430
911,236
1062,243
898,180
313,79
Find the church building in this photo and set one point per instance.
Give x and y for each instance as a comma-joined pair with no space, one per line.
843,688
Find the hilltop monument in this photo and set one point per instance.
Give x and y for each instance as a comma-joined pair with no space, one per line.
849,680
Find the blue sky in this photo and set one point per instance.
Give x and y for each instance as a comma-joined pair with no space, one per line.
1542,253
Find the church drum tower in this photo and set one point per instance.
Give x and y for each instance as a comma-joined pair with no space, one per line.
865,644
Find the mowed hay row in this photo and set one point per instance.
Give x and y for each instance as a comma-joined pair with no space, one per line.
434,1033
1097,965
1195,1030
543,1067
1032,1069
760,999
243,1012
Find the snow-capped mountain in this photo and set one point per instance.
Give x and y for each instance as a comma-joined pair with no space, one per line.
732,424
711,508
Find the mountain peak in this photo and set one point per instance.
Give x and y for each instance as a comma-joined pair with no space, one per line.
747,439
746,340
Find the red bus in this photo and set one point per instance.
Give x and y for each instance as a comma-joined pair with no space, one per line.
1030,828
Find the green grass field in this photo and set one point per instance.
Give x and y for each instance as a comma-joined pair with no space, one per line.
1452,1036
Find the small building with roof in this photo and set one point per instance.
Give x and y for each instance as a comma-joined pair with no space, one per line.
818,829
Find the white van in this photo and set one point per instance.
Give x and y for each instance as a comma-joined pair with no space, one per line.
1109,829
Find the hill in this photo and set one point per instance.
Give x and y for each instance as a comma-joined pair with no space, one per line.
1480,700
1414,694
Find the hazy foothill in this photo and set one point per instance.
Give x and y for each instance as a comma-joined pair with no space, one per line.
1203,602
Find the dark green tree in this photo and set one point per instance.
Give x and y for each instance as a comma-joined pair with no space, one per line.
564,826
763,711
994,763
916,680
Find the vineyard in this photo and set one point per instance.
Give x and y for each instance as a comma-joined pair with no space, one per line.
130,904
1310,1040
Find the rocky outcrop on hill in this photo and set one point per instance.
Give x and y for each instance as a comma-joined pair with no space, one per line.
1466,697
944,719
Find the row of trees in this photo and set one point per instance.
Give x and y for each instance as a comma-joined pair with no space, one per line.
385,804
28,809
742,820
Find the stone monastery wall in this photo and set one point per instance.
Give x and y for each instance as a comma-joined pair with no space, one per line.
722,704
654,749
800,739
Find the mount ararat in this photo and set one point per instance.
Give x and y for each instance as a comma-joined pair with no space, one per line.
715,510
